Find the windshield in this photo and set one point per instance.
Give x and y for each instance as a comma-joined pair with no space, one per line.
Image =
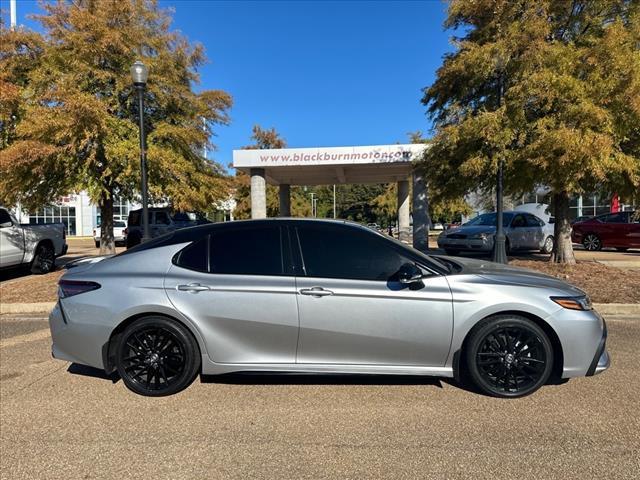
489,219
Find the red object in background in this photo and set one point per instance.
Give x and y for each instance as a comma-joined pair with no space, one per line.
615,203
619,230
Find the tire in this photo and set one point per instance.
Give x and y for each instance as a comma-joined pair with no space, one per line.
523,369
547,247
157,356
449,251
97,242
592,242
133,239
44,260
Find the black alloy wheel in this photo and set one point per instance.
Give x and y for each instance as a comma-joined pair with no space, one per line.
45,259
157,356
592,242
509,356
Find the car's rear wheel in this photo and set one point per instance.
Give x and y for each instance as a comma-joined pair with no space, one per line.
44,260
509,356
157,356
547,247
592,242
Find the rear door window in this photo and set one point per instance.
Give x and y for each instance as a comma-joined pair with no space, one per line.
247,251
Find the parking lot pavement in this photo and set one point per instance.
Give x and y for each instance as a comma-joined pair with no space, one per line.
66,422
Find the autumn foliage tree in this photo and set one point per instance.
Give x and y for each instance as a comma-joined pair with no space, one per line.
550,88
77,128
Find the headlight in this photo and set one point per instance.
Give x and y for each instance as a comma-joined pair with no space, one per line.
574,303
479,236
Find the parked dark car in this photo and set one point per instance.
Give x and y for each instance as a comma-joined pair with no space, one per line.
620,230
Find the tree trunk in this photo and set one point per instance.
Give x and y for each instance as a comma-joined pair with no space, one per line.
562,246
107,243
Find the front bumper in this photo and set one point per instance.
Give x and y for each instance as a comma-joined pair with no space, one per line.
466,244
601,360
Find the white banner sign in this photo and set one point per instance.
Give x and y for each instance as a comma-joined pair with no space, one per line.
287,157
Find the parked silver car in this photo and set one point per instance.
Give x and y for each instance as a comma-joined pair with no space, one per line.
319,296
523,231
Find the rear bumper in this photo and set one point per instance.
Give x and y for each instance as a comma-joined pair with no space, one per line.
76,342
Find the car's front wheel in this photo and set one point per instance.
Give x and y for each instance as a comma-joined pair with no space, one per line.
592,242
509,356
157,356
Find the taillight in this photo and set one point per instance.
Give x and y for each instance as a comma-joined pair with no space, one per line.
94,232
69,288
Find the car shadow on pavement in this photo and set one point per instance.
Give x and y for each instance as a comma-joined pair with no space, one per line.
258,378
85,371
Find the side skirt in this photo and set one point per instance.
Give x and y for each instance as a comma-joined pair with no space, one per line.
211,368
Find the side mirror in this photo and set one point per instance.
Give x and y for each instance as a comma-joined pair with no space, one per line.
409,274
6,224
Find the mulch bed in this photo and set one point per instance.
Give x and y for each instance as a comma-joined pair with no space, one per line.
604,284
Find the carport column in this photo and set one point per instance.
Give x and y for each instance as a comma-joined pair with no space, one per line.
285,200
258,193
421,219
403,211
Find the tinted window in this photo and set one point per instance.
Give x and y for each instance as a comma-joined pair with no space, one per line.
195,256
134,218
162,218
343,252
533,221
518,221
4,216
489,219
247,251
620,217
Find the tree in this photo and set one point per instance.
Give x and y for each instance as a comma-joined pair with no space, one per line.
79,128
264,140
551,89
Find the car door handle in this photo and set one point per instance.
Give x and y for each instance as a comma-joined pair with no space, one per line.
316,292
193,288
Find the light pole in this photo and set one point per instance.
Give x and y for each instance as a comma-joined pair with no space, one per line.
139,75
499,247
499,242
313,204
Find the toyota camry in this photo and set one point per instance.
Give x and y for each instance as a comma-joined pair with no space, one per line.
315,296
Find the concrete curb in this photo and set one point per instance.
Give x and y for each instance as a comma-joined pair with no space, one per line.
46,307
617,308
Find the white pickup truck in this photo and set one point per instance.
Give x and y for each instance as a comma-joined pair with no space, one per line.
35,245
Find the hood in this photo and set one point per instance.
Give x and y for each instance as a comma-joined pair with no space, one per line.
471,230
504,274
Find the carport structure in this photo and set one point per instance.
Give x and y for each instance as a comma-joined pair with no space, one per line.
340,165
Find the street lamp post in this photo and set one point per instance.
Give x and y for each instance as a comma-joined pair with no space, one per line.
499,247
139,75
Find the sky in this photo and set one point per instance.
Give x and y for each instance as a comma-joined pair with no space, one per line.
326,73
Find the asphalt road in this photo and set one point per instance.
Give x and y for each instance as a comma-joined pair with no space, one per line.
62,421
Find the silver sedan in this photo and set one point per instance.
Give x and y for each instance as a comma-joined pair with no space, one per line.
523,231
319,297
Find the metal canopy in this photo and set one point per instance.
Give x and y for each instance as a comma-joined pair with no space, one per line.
331,165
